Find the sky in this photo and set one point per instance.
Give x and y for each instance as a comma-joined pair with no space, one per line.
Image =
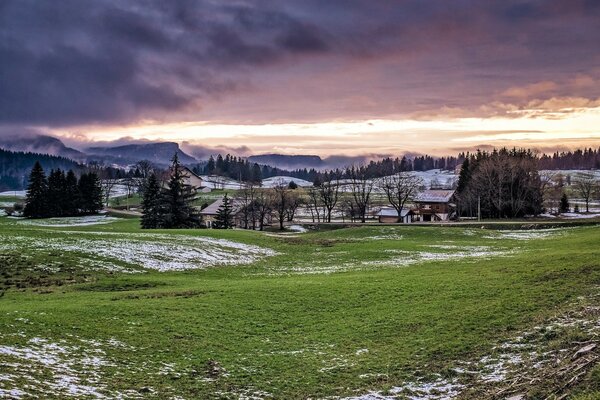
351,77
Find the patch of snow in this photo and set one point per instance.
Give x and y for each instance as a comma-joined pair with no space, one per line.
275,180
14,193
439,389
57,367
526,234
71,221
297,228
158,252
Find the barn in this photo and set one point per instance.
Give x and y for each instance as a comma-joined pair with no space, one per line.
389,215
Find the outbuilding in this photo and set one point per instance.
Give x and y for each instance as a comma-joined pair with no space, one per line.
389,215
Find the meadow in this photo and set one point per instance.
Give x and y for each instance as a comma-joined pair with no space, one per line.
102,309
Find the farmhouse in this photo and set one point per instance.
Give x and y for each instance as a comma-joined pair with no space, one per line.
389,215
195,181
435,205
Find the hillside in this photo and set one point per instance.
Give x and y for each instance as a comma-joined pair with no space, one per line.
40,144
16,166
372,312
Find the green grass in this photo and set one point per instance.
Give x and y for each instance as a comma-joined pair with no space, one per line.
296,324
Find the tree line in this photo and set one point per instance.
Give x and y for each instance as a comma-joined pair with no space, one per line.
15,167
61,194
577,159
500,184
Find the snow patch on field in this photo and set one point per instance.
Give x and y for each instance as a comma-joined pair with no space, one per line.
407,258
14,193
158,252
438,389
70,221
527,234
65,370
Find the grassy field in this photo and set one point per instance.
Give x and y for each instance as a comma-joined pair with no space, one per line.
101,308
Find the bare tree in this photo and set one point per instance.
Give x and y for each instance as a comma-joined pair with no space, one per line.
362,187
294,201
586,185
399,189
145,168
329,192
246,198
314,203
263,207
281,201
130,186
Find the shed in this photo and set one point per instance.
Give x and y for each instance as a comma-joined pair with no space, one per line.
389,215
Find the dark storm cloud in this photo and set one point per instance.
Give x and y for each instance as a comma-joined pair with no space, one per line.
74,62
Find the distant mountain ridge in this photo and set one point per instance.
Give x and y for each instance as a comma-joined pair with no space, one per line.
289,162
41,144
157,153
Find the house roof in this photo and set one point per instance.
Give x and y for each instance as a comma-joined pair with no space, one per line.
435,196
391,212
214,207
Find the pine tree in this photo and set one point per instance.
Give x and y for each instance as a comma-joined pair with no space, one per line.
90,193
71,197
564,204
177,199
56,193
224,217
151,204
36,201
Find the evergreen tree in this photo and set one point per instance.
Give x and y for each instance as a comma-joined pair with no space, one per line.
90,191
177,199
292,185
36,201
151,204
56,193
71,197
224,217
564,204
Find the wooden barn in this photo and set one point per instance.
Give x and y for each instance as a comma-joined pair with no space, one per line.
389,215
435,205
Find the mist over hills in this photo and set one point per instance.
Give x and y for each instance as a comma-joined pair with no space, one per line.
41,144
157,153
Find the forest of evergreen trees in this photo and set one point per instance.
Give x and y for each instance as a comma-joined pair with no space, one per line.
239,168
578,159
16,166
61,194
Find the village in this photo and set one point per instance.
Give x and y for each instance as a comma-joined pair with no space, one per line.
413,197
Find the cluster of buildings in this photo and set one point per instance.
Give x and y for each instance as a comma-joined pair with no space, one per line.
434,205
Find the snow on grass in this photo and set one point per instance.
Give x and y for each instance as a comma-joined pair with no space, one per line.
158,252
407,258
438,389
66,370
297,228
14,193
71,221
526,234
276,180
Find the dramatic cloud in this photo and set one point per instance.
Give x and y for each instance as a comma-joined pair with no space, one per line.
79,67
